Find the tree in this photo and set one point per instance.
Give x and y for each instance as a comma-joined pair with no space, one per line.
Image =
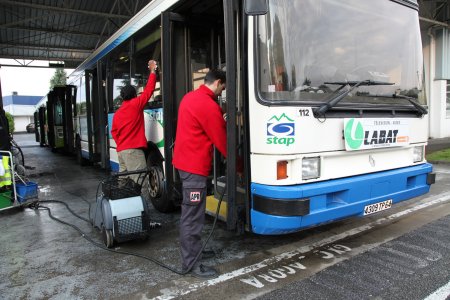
59,78
10,122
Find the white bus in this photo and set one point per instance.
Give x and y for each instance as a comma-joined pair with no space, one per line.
325,103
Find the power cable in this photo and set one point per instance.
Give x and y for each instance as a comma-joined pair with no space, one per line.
161,264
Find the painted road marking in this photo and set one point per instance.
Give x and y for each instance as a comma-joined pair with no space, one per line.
441,293
283,271
173,293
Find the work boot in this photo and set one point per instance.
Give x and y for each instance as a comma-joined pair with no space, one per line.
204,272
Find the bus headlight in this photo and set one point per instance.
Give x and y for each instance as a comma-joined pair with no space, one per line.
310,167
418,153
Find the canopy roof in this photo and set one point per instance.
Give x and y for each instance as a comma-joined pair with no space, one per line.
66,31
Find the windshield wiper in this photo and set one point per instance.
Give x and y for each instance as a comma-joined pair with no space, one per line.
422,110
321,110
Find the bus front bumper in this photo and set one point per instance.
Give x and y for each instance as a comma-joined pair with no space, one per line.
286,209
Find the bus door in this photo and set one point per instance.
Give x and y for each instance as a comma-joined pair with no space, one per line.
37,126
100,122
42,126
187,54
189,50
51,120
68,113
56,101
94,113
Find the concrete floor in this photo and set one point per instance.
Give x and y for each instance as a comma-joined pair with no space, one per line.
43,259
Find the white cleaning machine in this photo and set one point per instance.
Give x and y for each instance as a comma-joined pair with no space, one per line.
120,212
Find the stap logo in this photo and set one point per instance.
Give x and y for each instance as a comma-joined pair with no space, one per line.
280,130
354,138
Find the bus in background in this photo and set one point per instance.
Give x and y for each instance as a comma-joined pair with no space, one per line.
40,121
329,114
88,114
54,119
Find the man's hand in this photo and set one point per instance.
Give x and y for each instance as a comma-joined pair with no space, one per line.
152,66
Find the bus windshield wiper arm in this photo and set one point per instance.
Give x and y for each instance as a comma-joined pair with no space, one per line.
422,110
353,85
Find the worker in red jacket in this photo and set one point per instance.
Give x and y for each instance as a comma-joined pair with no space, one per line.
128,130
200,126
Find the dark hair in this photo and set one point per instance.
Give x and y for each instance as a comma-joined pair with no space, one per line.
215,74
128,92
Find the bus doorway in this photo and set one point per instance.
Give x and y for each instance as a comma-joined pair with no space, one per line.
189,50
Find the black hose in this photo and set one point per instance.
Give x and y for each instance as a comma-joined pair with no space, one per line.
85,236
68,208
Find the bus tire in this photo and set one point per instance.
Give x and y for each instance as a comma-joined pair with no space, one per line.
155,188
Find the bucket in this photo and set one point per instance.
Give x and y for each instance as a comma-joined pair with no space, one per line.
5,199
26,191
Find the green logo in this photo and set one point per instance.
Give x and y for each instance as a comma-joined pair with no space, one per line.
354,141
280,118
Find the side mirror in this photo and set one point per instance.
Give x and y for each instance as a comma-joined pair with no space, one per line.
256,7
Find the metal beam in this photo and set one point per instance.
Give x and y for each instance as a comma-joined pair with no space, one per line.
36,67
104,26
46,58
47,30
34,47
65,10
434,22
44,15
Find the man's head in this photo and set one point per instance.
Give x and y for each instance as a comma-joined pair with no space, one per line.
128,92
216,80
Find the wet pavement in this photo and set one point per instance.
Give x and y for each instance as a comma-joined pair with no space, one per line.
44,259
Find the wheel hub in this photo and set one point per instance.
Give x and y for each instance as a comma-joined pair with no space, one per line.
155,182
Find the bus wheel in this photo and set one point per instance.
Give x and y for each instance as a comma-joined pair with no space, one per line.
156,190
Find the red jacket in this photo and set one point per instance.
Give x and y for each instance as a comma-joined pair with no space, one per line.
128,130
200,126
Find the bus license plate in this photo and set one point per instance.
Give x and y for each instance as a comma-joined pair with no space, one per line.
376,207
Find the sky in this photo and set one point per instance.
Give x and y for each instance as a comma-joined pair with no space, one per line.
26,81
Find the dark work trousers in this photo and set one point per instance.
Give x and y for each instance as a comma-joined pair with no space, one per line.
192,216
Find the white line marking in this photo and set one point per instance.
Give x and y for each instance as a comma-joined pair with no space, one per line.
171,294
440,294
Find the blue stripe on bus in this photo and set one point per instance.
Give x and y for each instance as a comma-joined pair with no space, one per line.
114,166
340,198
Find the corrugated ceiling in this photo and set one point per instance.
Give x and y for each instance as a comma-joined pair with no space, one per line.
70,30
64,30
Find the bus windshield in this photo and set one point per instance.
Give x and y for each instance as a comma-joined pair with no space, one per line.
307,50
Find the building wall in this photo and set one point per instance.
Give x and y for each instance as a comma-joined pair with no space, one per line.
436,89
22,108
21,122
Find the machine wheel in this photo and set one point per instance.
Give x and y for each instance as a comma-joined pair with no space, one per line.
155,188
108,237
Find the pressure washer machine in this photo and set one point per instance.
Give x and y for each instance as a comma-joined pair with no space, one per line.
120,212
